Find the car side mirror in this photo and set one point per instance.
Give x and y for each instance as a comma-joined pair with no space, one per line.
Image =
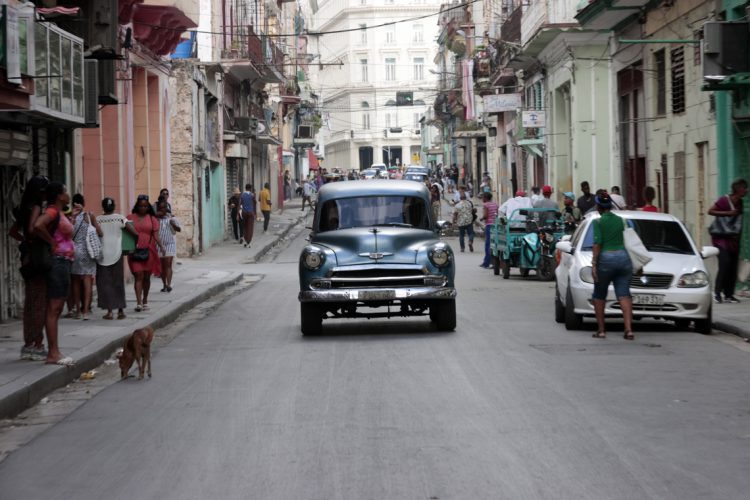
564,246
566,237
709,251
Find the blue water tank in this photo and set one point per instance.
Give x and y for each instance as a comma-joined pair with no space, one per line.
184,49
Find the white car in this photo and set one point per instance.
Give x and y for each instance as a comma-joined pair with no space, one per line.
675,285
369,173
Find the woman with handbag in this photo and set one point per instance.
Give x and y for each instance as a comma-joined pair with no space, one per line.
144,260
725,233
57,231
110,276
35,261
83,270
610,264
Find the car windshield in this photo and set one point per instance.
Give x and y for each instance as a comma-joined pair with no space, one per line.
369,171
657,235
401,211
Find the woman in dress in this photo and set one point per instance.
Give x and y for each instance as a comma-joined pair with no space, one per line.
610,264
235,215
83,271
168,226
147,227
110,278
56,229
35,282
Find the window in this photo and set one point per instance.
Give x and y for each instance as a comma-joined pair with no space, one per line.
390,34
677,58
366,120
418,33
679,176
390,69
419,68
59,68
363,34
660,67
363,63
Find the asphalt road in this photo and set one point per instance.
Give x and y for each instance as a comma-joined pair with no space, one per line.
509,406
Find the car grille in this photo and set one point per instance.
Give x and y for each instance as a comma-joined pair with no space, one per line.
650,308
653,280
380,278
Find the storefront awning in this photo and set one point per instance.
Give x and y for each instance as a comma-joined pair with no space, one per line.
532,146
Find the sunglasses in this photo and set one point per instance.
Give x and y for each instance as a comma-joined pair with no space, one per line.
142,197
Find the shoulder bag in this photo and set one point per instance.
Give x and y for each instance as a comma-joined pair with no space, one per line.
142,254
93,242
726,226
639,255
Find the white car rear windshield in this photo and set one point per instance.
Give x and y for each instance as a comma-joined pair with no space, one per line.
401,211
657,235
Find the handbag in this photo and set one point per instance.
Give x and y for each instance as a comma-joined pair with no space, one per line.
36,255
639,255
726,226
93,242
143,254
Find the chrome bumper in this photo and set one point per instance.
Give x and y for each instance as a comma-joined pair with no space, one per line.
376,294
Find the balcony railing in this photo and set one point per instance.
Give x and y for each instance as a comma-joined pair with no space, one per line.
511,28
533,18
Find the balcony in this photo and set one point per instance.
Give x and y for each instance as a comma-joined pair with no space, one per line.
273,58
159,24
510,31
542,22
244,60
608,14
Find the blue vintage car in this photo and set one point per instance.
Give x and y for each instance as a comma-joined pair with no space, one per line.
375,251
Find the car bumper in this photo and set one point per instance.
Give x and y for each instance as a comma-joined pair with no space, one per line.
377,294
685,303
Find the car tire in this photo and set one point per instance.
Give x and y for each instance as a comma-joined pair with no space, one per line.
681,324
573,321
445,315
496,265
559,307
705,326
506,269
311,319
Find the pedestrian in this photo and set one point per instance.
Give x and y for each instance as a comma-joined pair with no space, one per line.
265,205
235,215
463,217
618,202
57,231
307,191
435,201
247,204
110,275
570,212
299,189
535,195
511,209
489,214
287,186
586,202
168,227
546,201
83,270
610,264
144,261
726,231
649,193
32,250
163,196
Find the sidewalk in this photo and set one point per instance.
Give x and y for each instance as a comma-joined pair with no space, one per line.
729,318
24,383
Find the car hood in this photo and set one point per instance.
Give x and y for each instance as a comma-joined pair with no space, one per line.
359,245
664,263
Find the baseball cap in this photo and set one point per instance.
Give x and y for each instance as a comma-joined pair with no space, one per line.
547,189
570,194
520,192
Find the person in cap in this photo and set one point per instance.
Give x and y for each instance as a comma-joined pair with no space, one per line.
610,264
570,212
546,201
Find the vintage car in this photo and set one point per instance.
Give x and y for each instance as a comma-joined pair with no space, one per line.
375,252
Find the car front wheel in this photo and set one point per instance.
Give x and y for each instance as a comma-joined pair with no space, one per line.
704,326
559,307
311,318
444,315
573,321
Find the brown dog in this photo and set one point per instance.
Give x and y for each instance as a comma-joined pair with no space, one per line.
137,348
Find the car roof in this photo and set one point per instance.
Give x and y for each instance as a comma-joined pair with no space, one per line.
637,214
373,187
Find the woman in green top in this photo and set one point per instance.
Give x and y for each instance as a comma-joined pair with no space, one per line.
611,264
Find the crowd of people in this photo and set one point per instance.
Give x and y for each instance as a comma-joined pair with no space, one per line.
67,252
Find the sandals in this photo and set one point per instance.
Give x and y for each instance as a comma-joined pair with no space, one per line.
138,308
121,315
629,336
66,361
108,316
600,335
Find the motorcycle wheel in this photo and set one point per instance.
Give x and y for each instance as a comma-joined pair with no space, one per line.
506,269
496,265
546,271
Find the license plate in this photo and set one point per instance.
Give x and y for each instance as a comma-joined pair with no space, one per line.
377,295
648,300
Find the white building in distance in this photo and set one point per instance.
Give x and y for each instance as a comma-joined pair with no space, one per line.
375,82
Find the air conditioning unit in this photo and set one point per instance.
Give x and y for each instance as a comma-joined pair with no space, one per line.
304,132
91,93
107,88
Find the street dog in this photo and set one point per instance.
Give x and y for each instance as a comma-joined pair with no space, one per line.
137,348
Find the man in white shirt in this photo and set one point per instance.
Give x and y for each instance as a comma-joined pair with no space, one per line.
513,204
617,200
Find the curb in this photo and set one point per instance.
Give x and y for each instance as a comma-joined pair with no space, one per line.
731,328
269,246
30,389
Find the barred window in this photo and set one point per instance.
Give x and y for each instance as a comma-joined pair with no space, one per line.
678,80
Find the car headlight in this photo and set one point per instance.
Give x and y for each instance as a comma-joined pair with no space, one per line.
693,280
313,258
586,274
440,256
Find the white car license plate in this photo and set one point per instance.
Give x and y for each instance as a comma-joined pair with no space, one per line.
377,295
648,299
